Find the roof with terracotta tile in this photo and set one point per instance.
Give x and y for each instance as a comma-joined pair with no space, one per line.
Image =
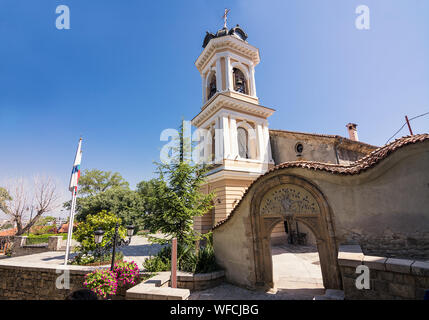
8,232
356,167
65,227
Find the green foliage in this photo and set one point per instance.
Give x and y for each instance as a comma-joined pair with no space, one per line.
46,221
6,226
37,239
107,221
101,190
157,263
39,230
83,259
206,260
4,197
95,181
102,282
146,190
188,259
174,199
125,203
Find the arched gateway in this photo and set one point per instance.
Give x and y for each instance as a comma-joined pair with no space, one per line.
242,241
292,198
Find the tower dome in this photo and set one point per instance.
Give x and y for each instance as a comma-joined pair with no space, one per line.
237,32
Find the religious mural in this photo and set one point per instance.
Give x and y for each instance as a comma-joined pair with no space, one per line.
289,200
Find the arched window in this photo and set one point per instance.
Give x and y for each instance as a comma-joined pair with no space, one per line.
213,138
240,83
243,143
212,87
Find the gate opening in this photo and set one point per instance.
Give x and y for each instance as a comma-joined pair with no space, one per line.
295,258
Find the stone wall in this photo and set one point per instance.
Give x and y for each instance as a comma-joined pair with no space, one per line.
389,278
20,281
199,281
316,147
384,208
21,248
234,248
413,245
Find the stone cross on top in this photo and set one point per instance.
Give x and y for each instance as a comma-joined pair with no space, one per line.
225,17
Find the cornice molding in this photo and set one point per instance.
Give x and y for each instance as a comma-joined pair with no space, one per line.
219,101
227,42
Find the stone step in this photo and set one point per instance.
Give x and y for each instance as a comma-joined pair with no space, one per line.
145,291
331,294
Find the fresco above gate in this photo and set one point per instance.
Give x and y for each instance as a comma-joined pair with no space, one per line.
289,200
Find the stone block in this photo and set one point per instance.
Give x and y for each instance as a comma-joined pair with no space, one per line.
218,274
422,282
420,293
375,263
350,248
385,275
420,268
349,285
379,285
202,276
404,278
159,280
55,243
348,259
402,291
399,265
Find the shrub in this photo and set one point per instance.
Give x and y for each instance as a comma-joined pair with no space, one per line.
187,259
39,230
206,260
101,282
126,272
157,263
84,233
37,239
83,259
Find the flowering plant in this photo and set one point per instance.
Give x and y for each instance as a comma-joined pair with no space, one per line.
126,272
102,282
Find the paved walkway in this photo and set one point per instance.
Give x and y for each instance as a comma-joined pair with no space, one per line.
297,276
139,249
296,269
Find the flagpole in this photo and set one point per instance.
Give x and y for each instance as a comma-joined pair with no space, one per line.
74,180
71,222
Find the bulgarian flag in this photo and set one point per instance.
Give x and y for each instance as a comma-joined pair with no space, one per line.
76,168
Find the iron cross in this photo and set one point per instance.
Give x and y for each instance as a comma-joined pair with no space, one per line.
225,17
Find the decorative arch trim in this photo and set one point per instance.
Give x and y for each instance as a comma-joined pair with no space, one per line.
317,216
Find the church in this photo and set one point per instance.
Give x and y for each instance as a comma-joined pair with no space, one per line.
278,186
238,144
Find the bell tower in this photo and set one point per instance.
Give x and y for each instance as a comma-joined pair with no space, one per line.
232,125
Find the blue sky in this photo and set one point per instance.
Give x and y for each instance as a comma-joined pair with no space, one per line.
125,71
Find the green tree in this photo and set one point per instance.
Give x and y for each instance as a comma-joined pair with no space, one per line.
177,198
95,181
46,221
147,191
107,221
4,198
125,203
6,226
101,190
